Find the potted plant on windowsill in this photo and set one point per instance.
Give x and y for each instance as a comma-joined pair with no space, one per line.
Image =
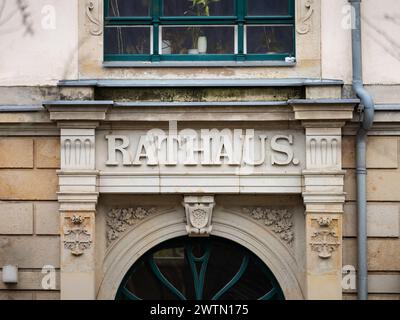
199,40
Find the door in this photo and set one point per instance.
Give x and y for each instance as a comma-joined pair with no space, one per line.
210,268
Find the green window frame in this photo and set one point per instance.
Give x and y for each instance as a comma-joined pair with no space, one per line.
240,21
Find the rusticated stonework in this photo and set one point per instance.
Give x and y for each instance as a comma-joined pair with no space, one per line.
324,240
119,220
77,238
278,220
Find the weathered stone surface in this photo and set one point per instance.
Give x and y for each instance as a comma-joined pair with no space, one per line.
30,252
16,153
383,255
383,220
382,283
353,296
29,280
315,92
382,185
16,295
382,152
47,218
47,295
350,184
47,152
16,218
28,184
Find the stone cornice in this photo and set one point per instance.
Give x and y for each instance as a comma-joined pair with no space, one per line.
312,112
65,111
333,111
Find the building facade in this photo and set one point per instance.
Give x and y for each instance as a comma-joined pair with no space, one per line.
166,150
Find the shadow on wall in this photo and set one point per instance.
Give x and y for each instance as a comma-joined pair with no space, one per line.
15,15
389,42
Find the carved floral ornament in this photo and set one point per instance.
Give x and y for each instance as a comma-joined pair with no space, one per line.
325,240
279,221
77,238
119,220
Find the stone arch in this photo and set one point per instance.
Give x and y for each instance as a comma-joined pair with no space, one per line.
226,224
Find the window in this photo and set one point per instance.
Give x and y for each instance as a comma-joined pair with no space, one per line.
198,30
199,269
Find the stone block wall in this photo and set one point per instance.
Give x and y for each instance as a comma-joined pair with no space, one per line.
383,193
29,218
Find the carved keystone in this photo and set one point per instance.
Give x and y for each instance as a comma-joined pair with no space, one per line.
199,211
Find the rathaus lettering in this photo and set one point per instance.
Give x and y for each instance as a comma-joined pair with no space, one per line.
205,147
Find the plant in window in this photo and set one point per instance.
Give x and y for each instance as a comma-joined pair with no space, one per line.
201,7
199,40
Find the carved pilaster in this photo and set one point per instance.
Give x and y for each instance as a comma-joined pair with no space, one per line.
198,211
323,192
77,255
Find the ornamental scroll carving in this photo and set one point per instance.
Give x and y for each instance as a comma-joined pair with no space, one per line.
279,221
119,220
305,10
325,240
93,13
77,237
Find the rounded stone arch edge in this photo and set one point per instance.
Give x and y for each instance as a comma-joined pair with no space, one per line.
226,224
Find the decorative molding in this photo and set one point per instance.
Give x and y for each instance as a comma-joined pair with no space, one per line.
323,151
305,10
93,13
77,238
278,220
198,211
77,149
324,240
119,220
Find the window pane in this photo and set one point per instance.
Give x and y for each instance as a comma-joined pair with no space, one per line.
267,7
123,8
198,8
198,40
269,39
127,40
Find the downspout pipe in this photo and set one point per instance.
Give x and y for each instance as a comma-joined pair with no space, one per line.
367,119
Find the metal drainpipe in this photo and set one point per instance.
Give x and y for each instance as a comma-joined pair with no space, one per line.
368,110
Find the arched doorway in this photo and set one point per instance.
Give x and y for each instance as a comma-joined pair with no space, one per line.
211,268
